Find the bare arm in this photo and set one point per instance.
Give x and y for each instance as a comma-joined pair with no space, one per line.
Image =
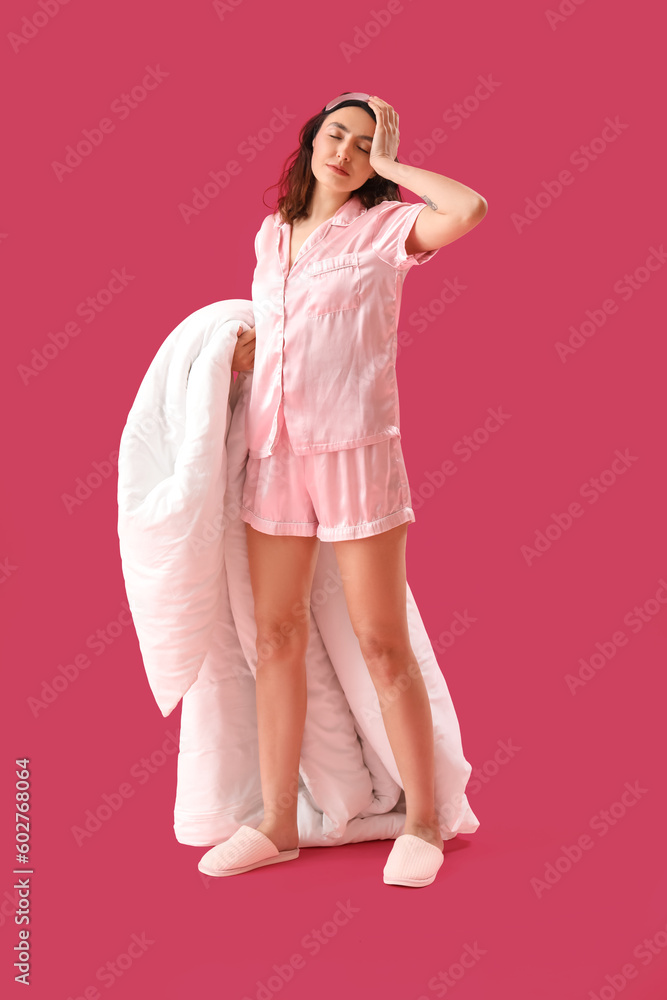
455,208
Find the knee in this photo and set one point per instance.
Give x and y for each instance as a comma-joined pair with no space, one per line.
387,656
281,641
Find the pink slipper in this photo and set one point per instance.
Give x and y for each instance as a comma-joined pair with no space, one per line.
412,861
246,849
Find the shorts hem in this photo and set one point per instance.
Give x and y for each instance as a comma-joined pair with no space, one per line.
305,529
366,528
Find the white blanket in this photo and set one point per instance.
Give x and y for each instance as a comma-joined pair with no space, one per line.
181,467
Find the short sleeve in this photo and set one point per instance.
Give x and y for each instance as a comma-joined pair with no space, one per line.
267,224
396,219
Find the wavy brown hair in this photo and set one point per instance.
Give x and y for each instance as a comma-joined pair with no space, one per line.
297,180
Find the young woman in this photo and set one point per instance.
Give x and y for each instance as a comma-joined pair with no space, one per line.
325,458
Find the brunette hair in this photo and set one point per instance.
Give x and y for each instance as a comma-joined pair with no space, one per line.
297,180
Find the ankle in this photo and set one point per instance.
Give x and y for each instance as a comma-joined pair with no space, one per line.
422,823
279,821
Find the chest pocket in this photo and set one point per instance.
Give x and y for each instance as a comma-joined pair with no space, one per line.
334,285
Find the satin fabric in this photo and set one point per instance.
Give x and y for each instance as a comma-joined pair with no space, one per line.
336,495
181,468
325,347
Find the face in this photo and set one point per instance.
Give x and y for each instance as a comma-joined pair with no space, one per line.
344,139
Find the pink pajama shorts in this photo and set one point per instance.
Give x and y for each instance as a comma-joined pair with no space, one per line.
335,495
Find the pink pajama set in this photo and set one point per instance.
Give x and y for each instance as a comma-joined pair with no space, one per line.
322,419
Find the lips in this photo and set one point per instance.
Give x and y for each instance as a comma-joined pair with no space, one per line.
337,170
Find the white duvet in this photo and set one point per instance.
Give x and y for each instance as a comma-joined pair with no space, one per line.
183,551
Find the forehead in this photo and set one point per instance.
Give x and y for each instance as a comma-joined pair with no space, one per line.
352,118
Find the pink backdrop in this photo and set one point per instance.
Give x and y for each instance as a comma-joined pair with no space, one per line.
541,528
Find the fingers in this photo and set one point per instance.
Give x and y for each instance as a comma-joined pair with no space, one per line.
246,336
244,351
244,355
379,105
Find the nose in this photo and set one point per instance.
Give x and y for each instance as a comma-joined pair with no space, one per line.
343,148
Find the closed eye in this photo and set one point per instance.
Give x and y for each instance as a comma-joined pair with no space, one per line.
332,136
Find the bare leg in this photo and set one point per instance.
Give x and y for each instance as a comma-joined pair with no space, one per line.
281,574
374,581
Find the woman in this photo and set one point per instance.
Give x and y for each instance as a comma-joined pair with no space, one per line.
325,459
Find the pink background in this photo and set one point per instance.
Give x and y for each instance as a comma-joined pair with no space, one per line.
524,289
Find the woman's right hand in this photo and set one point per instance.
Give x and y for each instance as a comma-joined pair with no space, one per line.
244,352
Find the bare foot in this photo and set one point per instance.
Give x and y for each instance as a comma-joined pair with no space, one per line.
431,834
285,838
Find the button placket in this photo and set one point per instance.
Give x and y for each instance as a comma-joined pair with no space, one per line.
282,249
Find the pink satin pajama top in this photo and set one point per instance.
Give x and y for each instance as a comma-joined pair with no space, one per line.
325,340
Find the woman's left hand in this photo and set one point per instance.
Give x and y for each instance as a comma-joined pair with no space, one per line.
386,137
